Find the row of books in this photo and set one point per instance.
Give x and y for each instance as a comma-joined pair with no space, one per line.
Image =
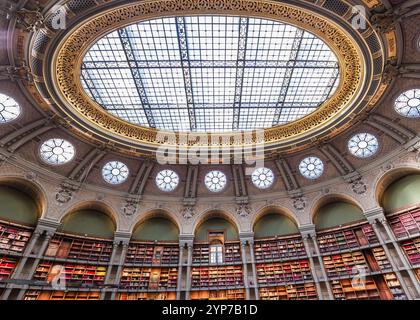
231,253
345,239
274,249
412,250
149,278
220,276
13,238
60,295
276,273
406,223
231,294
306,291
152,254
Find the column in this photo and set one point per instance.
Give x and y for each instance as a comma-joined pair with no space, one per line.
254,269
26,254
40,254
401,255
321,264
305,238
395,269
189,264
245,268
115,246
180,265
120,266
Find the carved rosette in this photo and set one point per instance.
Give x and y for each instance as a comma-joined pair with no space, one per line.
299,204
359,187
188,212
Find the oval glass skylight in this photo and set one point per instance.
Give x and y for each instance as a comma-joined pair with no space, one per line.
311,167
215,181
262,178
408,103
210,73
167,180
115,172
56,151
363,145
9,108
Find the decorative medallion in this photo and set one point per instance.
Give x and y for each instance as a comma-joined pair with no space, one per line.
299,204
359,187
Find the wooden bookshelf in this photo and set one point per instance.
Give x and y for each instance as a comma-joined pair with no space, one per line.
394,286
412,250
147,296
61,295
231,254
142,253
306,291
347,238
277,249
381,259
344,263
231,294
217,276
286,272
14,238
7,265
149,278
344,290
75,274
79,249
405,223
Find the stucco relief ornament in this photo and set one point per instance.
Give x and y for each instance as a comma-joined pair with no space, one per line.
187,212
359,187
130,207
243,210
65,193
299,204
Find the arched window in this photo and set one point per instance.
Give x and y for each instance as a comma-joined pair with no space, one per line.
216,252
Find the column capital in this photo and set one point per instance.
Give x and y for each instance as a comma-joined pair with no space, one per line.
307,231
46,225
186,240
122,237
374,213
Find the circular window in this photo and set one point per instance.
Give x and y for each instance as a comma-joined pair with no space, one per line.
9,109
363,145
262,178
115,172
311,167
167,180
215,181
408,104
56,151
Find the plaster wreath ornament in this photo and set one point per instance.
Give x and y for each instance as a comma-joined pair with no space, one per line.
299,204
63,195
188,212
243,210
130,207
359,187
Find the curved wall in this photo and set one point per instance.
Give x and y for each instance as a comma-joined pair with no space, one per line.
337,213
156,229
274,224
17,206
403,192
215,224
90,222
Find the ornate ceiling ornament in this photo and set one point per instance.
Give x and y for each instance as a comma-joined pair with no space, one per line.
130,207
243,210
299,204
188,212
356,59
65,193
359,187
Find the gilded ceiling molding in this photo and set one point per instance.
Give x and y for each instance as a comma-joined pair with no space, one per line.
360,66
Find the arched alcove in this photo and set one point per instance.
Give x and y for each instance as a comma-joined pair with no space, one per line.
402,192
18,205
337,213
90,222
274,224
156,229
216,223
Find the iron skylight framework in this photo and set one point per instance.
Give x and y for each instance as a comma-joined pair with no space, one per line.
210,73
